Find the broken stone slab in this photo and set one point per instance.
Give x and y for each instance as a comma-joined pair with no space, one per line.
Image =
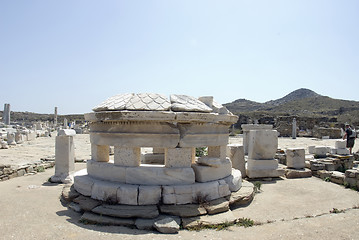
89,217
184,103
75,207
323,174
127,211
146,223
234,180
207,173
69,193
186,210
244,196
298,173
168,225
87,203
217,206
337,177
226,217
236,155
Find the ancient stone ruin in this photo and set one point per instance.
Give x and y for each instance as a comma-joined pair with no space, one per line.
154,163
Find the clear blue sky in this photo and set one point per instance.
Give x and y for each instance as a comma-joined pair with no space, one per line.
75,54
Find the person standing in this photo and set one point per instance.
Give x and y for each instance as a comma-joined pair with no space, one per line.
350,135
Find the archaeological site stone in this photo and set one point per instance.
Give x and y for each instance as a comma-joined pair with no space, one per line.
247,127
173,127
64,156
295,158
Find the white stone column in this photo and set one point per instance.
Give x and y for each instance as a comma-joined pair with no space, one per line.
294,129
127,156
66,125
55,117
64,156
6,114
100,153
236,155
217,152
179,157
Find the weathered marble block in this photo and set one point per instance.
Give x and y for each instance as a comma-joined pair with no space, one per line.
263,144
64,159
105,191
311,149
234,180
179,157
253,164
247,127
126,156
321,151
83,184
127,194
106,171
343,151
207,173
295,158
100,153
340,144
159,175
149,195
236,155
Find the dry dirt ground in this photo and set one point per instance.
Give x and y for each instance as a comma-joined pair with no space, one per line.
286,209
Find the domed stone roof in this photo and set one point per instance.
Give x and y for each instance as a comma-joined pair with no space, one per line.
158,102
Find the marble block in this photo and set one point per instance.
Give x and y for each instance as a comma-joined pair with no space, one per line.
265,173
254,164
311,149
321,151
340,144
106,171
343,151
236,155
149,195
100,153
159,175
83,184
207,173
218,152
105,191
127,194
179,157
64,159
263,144
234,180
127,156
295,158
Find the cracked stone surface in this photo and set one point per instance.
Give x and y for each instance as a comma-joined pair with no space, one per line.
184,103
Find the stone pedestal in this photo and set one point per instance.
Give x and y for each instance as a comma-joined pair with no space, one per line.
126,156
236,155
247,127
262,147
64,157
295,158
11,139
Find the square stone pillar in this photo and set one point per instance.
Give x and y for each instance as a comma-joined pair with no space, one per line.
127,156
217,152
100,153
179,157
64,157
236,155
247,127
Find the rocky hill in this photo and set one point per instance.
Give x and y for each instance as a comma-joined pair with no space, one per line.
302,102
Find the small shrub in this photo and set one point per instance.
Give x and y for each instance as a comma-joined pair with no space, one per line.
327,179
336,210
40,169
201,151
245,222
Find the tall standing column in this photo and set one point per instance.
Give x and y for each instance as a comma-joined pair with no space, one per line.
55,117
6,114
294,129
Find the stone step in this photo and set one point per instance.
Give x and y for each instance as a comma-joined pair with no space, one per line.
92,218
226,217
187,210
127,211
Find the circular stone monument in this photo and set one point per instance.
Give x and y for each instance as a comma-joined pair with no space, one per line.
173,127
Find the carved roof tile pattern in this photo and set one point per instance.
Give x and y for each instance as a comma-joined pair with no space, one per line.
184,103
158,102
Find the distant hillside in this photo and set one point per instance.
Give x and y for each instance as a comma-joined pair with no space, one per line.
296,95
301,102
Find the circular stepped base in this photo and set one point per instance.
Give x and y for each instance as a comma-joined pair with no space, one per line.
150,217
